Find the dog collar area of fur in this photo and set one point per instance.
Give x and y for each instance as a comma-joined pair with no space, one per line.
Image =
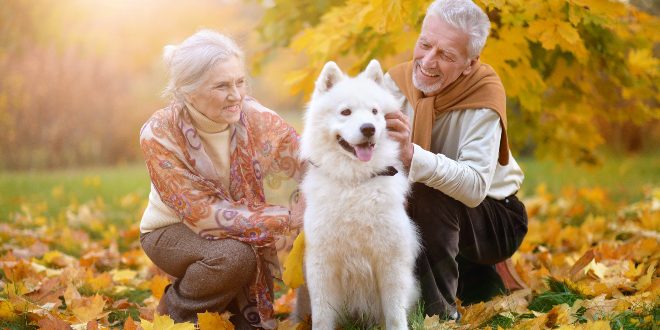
388,171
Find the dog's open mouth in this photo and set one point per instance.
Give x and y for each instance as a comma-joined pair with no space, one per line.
362,151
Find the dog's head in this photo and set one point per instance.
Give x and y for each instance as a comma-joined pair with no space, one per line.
346,116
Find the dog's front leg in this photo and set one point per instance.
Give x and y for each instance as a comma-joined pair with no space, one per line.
395,288
324,296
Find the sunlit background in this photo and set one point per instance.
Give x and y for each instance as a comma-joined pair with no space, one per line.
79,77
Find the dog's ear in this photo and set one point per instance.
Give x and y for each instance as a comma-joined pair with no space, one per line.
374,72
329,77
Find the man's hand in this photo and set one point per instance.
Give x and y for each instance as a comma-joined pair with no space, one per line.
399,130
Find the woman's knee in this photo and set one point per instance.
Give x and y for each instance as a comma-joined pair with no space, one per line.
231,259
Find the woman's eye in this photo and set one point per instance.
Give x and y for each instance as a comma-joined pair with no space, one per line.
346,112
374,111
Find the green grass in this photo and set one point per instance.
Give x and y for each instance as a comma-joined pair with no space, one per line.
624,177
81,185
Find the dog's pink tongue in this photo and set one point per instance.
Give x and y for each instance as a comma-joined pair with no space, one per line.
364,152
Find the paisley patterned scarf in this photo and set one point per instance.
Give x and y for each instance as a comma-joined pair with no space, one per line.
261,145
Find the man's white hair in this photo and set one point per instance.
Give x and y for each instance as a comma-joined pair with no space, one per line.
189,61
466,16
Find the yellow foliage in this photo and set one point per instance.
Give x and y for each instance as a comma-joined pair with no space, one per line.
164,322
589,49
157,285
7,310
214,321
123,275
293,266
88,308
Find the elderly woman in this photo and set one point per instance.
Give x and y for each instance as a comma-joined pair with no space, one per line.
207,223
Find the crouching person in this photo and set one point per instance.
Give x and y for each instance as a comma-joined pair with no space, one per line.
208,223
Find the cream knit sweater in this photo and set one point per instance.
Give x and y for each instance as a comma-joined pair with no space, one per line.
215,139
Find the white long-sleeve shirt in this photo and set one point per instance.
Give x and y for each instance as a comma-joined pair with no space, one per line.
462,162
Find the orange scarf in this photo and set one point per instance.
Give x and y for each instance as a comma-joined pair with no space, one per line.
480,89
261,145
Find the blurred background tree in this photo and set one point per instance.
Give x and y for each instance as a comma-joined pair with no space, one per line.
578,73
79,77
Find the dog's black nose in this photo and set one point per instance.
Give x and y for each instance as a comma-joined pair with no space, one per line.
368,130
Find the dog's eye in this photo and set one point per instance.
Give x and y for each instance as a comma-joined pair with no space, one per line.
374,111
346,112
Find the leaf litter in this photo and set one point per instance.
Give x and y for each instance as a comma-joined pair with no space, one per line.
588,264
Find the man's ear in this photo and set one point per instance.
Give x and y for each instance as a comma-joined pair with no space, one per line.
329,77
471,65
374,72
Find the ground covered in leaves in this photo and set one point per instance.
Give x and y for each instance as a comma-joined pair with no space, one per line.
588,262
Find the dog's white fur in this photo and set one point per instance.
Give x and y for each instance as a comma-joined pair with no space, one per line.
360,245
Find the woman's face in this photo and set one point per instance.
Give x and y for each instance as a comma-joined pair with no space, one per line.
220,96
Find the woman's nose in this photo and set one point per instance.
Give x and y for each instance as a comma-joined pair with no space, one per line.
234,94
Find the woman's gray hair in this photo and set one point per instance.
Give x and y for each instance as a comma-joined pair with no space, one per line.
466,16
189,61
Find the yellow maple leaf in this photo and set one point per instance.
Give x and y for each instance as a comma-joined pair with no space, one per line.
157,285
7,310
645,281
164,322
293,272
70,294
214,321
123,276
88,308
432,322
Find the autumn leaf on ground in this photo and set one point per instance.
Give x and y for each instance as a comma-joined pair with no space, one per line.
7,310
164,322
88,308
158,284
214,321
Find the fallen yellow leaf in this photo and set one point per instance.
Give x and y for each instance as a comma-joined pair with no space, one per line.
7,310
164,322
214,321
293,272
157,285
88,308
123,276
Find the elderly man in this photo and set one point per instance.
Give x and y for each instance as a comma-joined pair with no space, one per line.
465,179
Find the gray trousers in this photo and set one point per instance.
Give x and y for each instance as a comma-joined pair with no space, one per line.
209,274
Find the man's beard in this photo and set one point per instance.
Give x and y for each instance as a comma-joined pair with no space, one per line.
426,89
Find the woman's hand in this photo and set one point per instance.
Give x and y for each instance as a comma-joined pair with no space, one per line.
399,130
296,210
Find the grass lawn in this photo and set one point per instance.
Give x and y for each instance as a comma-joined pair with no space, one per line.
625,179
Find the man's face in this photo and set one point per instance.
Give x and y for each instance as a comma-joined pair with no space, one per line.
440,56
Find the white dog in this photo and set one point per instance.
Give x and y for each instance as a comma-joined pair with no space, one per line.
360,245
